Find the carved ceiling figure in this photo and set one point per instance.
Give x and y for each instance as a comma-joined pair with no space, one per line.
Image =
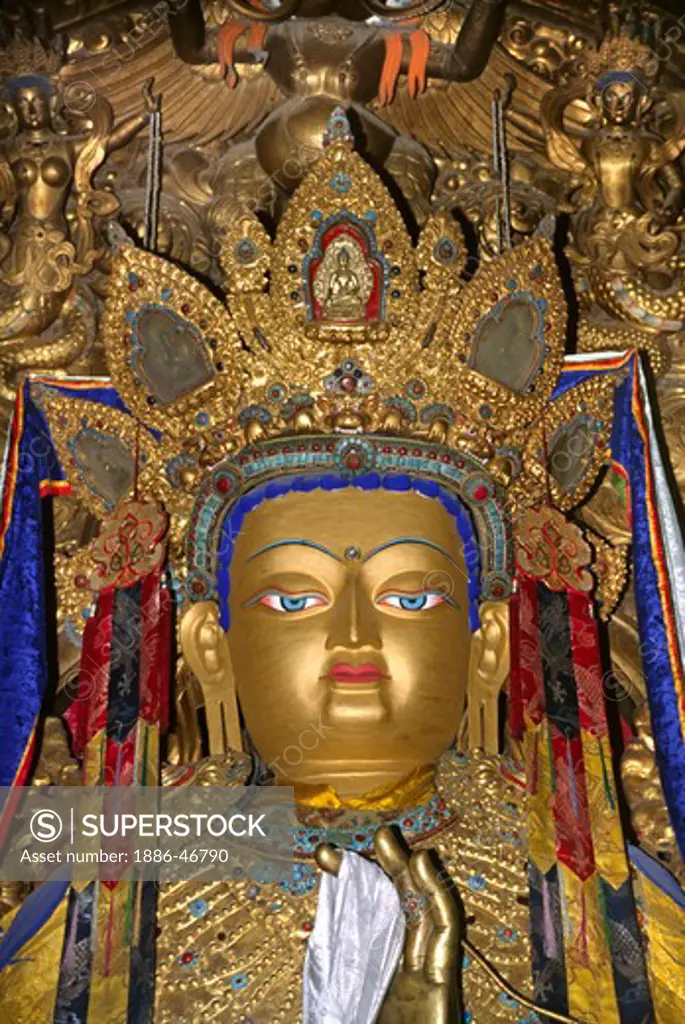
328,54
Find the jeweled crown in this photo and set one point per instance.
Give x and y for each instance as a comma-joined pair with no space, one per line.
622,53
342,348
24,56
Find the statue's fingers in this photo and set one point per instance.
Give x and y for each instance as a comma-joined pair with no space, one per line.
394,857
392,853
440,961
329,858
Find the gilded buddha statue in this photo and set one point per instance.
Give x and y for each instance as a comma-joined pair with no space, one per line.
370,553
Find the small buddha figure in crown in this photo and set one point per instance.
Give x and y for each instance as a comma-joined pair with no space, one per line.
343,283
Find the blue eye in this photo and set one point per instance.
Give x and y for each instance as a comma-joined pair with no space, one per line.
280,602
412,602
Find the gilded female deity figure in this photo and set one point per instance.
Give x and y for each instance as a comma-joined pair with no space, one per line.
48,197
627,191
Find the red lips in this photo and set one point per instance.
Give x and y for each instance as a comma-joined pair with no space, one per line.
345,673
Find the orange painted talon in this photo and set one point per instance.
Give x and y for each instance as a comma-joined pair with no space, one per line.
420,50
257,36
391,68
227,36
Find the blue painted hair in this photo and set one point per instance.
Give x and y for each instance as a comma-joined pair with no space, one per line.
42,82
330,482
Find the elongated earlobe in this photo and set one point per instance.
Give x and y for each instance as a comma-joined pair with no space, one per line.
205,648
488,672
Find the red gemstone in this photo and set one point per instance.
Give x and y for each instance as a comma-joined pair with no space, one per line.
308,926
432,455
287,449
185,308
386,449
480,493
402,451
416,451
186,957
348,383
316,447
81,581
198,587
353,461
223,485
459,463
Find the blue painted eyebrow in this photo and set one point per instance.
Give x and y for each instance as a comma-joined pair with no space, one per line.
296,542
300,542
412,540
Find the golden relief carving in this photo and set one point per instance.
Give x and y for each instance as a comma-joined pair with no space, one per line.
50,154
626,188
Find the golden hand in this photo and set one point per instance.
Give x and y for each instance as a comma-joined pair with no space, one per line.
425,989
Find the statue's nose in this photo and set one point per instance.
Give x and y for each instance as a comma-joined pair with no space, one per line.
353,622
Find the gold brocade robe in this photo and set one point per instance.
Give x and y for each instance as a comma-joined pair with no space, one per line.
233,952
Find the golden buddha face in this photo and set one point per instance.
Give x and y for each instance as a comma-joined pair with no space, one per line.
349,641
33,107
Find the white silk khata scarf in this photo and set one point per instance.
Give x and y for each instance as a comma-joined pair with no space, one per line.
355,946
